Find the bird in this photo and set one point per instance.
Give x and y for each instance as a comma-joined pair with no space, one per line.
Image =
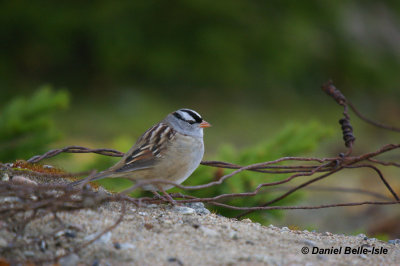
170,151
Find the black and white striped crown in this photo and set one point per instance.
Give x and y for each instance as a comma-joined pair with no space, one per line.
188,116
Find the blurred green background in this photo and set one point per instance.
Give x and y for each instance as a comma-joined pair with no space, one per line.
99,73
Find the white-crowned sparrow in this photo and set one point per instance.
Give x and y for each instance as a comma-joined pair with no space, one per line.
171,150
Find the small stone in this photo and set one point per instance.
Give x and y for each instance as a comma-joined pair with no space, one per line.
247,220
60,252
327,234
198,207
152,206
233,235
208,231
321,257
5,177
392,241
285,229
47,166
172,259
19,179
59,233
306,231
43,246
29,253
249,242
366,238
103,239
70,260
70,233
117,245
361,236
184,210
127,246
142,213
309,243
95,263
3,243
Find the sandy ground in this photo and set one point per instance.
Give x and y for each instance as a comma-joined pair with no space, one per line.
180,235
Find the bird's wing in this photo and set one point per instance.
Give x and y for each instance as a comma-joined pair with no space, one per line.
149,147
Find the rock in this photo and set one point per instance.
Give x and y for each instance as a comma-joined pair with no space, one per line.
3,243
105,238
19,179
233,234
309,243
127,246
184,210
361,236
198,207
70,260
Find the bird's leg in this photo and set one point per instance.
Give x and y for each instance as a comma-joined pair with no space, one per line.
169,198
156,194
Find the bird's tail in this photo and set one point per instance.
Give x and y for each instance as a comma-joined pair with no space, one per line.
89,179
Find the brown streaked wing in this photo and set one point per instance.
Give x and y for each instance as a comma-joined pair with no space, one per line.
148,148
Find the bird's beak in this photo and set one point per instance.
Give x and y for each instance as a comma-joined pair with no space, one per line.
204,124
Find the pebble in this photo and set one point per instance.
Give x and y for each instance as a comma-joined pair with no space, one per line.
178,261
29,253
70,260
309,243
394,241
208,231
198,207
117,245
127,246
142,213
184,210
103,239
152,206
249,242
5,177
285,229
70,233
233,234
3,243
361,236
43,246
19,179
327,234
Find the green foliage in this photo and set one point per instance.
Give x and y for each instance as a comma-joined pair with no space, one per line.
26,124
231,45
293,140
